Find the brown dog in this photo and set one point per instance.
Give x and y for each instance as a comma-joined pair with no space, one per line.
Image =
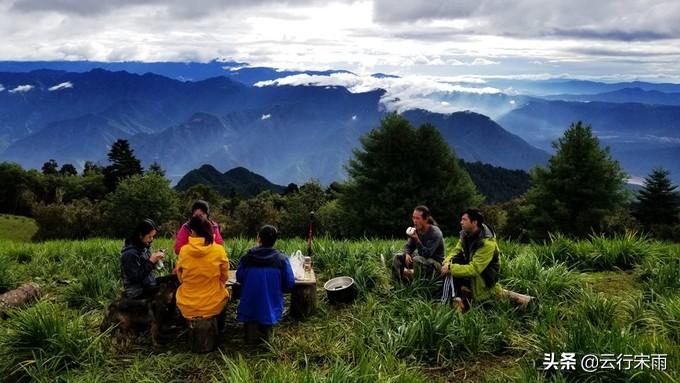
141,314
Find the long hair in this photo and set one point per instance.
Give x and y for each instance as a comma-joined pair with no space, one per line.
142,228
425,212
203,228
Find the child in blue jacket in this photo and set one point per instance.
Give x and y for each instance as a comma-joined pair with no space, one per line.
265,275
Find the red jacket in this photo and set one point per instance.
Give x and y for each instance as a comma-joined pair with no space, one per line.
184,232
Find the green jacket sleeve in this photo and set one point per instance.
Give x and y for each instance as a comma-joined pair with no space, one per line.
480,260
456,250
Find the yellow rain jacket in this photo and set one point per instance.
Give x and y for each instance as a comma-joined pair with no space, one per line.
202,271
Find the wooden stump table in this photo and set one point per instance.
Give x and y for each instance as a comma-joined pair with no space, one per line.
302,300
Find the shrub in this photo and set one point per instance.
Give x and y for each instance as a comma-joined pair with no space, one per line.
77,220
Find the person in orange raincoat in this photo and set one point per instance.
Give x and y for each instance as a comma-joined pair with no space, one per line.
202,269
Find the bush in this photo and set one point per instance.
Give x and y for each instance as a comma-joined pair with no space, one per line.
137,198
77,220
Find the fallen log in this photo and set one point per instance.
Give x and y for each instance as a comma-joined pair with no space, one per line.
519,299
19,297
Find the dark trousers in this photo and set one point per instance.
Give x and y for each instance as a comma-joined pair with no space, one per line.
256,333
421,265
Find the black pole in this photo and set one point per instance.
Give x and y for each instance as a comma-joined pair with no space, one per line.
310,234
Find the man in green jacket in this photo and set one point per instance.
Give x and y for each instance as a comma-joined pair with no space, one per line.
475,261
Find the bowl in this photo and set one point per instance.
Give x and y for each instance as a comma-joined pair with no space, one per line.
340,290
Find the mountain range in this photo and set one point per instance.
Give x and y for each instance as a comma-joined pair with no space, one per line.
238,180
184,115
286,133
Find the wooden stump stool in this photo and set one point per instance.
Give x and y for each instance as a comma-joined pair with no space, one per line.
303,297
203,334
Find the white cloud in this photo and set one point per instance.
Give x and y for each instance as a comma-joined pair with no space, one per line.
481,61
63,85
1,88
266,117
631,38
354,117
401,93
22,89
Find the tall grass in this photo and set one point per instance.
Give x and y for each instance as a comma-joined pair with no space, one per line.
45,337
96,286
526,274
598,253
661,274
393,333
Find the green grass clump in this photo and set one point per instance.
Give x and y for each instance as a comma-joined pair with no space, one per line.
45,338
95,288
623,251
526,274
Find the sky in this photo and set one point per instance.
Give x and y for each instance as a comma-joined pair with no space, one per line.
603,40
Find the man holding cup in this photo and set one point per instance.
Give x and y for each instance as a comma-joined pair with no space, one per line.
424,250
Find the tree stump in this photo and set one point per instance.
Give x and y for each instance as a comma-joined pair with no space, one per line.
19,297
303,300
203,334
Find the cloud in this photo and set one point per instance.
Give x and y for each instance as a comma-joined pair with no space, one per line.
266,116
401,93
22,89
63,85
627,20
1,88
432,38
193,8
481,61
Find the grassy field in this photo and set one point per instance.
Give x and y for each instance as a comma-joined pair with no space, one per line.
602,296
17,228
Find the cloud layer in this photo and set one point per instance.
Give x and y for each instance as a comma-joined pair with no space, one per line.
632,38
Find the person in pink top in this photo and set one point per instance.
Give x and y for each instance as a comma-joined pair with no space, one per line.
199,208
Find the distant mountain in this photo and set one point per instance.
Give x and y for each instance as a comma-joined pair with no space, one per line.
476,137
188,71
286,133
625,95
541,121
575,87
238,180
640,136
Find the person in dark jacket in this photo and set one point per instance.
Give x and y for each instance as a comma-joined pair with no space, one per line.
424,249
138,263
264,274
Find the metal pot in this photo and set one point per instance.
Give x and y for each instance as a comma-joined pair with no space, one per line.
341,290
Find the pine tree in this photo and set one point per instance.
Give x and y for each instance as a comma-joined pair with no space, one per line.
398,168
68,170
50,168
580,187
155,167
658,202
124,164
